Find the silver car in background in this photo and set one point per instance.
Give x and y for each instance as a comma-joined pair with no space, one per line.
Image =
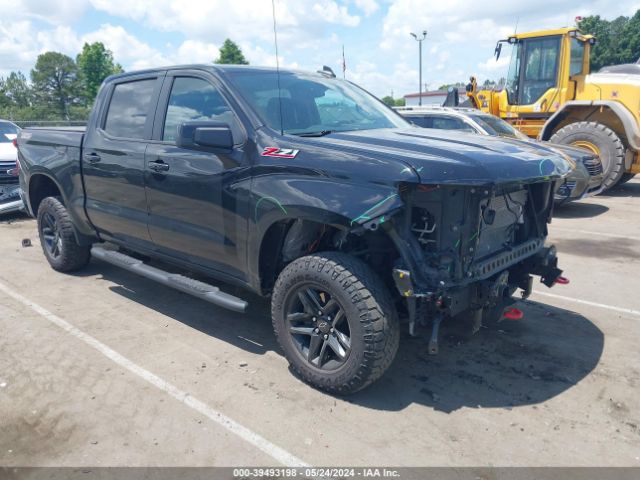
584,181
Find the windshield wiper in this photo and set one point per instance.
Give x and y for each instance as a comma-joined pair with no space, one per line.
321,133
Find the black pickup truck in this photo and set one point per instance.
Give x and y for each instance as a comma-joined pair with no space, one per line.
302,187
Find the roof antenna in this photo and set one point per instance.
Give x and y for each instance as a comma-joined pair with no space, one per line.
515,30
275,39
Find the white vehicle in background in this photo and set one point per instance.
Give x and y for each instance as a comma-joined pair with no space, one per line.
10,200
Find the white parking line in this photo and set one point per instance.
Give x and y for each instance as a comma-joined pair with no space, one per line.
598,234
275,452
630,311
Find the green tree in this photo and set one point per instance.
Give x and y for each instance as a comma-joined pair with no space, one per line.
4,99
393,102
95,63
55,83
447,85
618,40
389,101
630,40
230,54
17,90
15,96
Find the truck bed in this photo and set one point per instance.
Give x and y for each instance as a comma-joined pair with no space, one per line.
53,136
54,153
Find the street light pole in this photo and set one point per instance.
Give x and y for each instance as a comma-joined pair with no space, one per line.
420,40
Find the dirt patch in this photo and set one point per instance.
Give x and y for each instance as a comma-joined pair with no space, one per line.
615,249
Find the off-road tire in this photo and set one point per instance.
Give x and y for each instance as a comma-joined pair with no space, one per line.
369,310
625,178
72,255
612,150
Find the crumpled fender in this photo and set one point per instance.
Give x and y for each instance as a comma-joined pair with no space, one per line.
322,200
319,199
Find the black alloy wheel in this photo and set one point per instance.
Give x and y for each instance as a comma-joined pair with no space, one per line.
335,320
58,239
52,241
318,327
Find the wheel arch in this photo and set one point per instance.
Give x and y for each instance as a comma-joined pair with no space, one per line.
42,185
278,203
287,239
610,113
279,233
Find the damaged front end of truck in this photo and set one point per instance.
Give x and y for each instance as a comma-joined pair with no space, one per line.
465,250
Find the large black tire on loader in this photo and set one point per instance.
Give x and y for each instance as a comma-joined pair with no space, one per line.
599,139
626,177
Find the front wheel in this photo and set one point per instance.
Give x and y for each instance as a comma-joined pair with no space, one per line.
600,140
57,237
335,320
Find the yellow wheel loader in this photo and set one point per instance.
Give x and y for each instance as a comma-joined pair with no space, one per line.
551,95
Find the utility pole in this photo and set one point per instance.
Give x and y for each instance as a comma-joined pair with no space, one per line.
420,40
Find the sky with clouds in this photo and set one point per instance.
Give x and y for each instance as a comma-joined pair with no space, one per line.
380,53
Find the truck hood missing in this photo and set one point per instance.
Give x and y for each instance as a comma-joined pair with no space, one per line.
452,158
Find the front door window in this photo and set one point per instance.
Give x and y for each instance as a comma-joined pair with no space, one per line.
194,99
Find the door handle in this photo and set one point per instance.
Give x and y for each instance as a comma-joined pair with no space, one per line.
92,157
158,166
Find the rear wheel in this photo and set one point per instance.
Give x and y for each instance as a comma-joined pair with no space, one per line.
57,237
598,139
335,320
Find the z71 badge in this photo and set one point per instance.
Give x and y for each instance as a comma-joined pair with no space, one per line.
279,152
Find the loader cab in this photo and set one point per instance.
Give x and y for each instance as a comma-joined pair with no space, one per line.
533,69
545,64
544,72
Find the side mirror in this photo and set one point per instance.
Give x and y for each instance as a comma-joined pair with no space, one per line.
498,50
207,136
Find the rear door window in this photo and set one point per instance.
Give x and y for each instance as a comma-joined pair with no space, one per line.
129,109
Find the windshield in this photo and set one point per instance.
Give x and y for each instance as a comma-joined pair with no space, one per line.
497,127
312,104
8,131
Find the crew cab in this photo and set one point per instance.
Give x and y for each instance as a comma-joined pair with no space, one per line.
302,187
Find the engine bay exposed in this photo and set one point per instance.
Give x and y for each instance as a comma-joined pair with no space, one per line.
452,251
470,233
464,251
